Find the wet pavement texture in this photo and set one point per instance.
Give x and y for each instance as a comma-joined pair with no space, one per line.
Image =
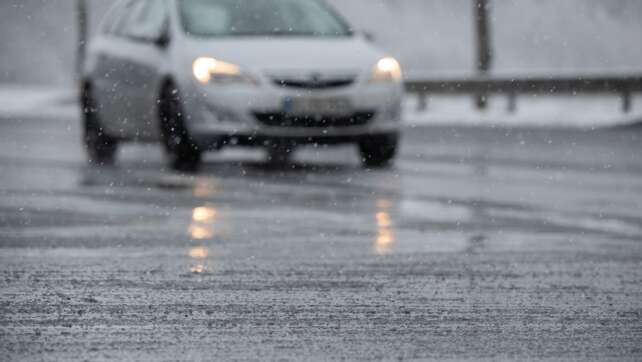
478,244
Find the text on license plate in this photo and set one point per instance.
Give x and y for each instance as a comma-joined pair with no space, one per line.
316,106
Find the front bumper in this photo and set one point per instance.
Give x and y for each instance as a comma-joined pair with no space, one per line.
218,115
215,142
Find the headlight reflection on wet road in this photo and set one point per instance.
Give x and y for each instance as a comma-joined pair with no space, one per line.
205,187
203,223
385,234
203,226
198,254
204,214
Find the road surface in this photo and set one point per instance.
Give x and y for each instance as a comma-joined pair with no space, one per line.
479,244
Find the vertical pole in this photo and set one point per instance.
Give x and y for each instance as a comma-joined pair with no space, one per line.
422,102
82,19
512,102
626,101
484,49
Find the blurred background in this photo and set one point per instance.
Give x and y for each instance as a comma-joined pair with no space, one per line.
430,37
435,40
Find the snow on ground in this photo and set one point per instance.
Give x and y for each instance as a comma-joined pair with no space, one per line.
532,111
37,102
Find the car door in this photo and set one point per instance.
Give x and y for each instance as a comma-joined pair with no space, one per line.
109,75
143,60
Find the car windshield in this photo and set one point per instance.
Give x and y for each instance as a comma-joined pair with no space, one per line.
218,18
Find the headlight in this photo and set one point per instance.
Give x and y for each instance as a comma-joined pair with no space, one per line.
387,70
208,70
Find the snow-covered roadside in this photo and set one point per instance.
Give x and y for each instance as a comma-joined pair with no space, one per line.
531,111
19,101
545,112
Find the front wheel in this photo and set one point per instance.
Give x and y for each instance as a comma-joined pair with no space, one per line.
378,150
100,147
182,151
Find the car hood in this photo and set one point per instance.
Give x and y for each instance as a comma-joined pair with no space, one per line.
273,55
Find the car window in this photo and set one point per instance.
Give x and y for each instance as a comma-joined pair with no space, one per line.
211,18
147,20
115,16
205,18
111,16
127,25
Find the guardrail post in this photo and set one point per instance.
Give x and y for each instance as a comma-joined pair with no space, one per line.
481,101
422,102
512,102
626,102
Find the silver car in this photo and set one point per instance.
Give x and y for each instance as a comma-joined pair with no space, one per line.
200,75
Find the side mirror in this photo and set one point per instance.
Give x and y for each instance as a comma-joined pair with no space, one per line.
368,36
162,40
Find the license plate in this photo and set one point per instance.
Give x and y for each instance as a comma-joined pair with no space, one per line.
317,106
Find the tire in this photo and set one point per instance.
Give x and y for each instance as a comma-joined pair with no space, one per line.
100,147
378,150
183,153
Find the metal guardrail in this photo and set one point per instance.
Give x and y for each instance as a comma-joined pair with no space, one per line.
625,86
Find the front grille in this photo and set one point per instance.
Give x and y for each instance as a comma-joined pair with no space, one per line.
285,120
313,84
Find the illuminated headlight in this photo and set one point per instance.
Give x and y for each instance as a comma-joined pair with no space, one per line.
210,70
387,70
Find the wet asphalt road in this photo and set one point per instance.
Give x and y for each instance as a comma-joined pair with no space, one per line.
478,244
